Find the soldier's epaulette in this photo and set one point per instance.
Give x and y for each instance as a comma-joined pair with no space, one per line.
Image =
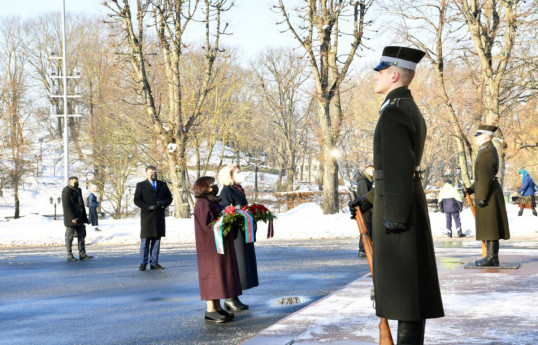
394,102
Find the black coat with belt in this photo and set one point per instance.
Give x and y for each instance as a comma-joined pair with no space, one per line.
364,185
152,222
491,221
73,206
405,272
245,252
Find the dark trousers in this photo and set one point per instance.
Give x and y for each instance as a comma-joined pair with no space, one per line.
93,216
150,246
449,216
361,246
81,236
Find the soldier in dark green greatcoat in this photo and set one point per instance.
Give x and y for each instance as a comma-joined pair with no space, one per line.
405,273
491,219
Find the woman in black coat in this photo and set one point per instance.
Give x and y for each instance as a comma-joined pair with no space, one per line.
218,274
233,194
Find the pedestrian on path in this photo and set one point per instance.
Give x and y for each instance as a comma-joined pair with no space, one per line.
153,197
527,193
406,283
218,274
490,215
450,204
93,204
74,219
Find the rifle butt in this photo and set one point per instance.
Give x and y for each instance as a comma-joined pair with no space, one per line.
385,337
471,205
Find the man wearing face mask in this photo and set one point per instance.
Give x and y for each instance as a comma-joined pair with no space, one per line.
152,196
74,219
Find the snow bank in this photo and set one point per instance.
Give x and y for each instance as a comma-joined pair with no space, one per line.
304,222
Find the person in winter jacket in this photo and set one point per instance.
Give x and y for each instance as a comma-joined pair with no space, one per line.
233,194
527,192
450,204
218,274
153,197
363,183
74,219
93,204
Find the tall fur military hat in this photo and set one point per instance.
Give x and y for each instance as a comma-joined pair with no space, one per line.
403,57
485,129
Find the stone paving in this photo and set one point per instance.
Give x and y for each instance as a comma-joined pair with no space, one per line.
488,306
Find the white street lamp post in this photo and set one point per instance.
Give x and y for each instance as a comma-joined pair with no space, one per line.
64,76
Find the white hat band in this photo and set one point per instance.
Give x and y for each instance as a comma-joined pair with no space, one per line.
399,62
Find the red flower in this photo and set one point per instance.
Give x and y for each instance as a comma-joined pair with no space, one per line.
229,210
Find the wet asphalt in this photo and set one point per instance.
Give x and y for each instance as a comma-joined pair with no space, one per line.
46,300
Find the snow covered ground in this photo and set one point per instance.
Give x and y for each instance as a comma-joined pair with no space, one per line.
301,223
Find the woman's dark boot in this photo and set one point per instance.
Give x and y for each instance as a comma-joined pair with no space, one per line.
411,332
230,304
492,257
244,306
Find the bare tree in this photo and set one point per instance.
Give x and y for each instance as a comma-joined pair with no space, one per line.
427,25
175,119
321,20
13,105
493,27
281,75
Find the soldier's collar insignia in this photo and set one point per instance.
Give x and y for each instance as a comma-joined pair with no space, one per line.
384,105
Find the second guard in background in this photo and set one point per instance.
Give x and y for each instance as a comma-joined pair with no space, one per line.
406,283
491,219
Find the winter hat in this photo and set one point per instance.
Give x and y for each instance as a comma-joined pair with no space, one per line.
523,173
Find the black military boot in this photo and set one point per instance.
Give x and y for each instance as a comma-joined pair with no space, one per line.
411,332
492,257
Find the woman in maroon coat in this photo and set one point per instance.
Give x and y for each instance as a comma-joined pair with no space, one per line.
218,274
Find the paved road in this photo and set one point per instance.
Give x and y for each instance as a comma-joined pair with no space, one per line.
47,300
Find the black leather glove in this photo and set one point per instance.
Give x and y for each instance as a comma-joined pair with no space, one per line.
159,204
352,210
469,190
460,206
394,227
152,208
362,202
441,208
482,203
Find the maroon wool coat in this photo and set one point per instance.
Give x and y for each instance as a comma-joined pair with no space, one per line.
218,274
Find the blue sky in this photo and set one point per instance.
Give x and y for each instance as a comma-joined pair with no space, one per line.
251,21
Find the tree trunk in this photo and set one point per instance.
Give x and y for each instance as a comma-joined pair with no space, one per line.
330,171
177,170
17,201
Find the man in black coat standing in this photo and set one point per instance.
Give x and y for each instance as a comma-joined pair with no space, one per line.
153,197
74,219
405,276
363,183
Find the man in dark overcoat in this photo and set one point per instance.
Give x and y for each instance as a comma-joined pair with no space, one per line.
74,219
153,197
490,215
405,273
